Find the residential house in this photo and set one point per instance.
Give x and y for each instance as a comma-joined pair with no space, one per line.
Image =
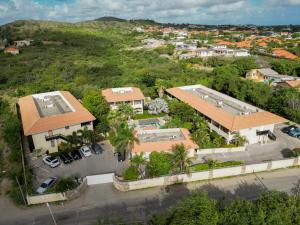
22,43
47,119
11,50
290,83
127,95
282,53
268,75
228,116
163,140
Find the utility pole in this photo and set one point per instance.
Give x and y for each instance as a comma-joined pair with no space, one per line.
54,222
21,190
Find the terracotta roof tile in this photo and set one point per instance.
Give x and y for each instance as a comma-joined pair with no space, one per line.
227,120
293,83
33,123
279,52
135,94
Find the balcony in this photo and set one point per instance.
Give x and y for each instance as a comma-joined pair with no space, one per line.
55,137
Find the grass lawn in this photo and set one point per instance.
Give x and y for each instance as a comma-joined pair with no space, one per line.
146,115
205,166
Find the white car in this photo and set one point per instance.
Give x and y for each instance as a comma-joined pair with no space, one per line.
86,151
51,161
46,184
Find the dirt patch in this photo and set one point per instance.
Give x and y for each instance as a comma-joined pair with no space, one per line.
5,186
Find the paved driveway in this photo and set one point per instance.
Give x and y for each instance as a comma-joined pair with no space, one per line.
256,153
96,164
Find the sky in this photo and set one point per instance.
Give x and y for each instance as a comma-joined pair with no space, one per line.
260,12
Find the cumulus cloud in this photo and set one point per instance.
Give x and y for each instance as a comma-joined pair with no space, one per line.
193,11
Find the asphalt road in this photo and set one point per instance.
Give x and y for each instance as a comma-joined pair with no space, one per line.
104,201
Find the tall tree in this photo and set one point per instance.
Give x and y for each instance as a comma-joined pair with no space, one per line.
181,159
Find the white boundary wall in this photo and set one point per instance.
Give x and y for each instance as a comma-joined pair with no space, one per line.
220,150
100,179
204,175
39,199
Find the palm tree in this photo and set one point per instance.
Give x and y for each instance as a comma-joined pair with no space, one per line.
181,159
212,163
73,140
138,161
125,139
239,140
87,136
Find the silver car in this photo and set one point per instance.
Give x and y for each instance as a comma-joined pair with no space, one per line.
51,161
46,184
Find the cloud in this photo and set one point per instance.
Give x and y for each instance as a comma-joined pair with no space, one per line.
193,11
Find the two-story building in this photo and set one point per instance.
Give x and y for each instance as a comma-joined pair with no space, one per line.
228,116
47,118
128,95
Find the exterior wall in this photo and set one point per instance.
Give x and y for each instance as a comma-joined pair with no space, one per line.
220,150
191,153
39,199
204,175
137,107
252,137
41,143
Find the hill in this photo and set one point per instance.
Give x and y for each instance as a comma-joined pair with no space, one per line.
110,18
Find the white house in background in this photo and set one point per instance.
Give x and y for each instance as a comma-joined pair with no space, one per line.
153,43
188,55
48,117
228,116
202,52
128,95
162,140
22,43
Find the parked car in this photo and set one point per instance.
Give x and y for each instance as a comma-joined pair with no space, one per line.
288,129
295,132
96,148
51,161
75,155
65,158
46,184
86,151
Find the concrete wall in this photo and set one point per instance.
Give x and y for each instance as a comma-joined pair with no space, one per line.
220,150
204,175
251,135
41,143
39,199
100,179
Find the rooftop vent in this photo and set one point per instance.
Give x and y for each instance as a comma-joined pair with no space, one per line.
220,104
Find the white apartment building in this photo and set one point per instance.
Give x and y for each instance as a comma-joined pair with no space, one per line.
226,115
47,119
128,95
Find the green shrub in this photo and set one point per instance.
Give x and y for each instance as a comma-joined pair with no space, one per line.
65,184
131,173
159,164
296,152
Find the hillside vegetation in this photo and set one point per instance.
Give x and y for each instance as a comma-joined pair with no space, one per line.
94,55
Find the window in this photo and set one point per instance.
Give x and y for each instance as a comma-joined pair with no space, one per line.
52,143
137,102
67,127
85,124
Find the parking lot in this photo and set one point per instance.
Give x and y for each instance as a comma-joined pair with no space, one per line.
256,153
103,163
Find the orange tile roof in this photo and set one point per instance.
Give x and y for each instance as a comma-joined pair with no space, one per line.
135,94
32,122
279,52
221,42
165,145
244,44
11,49
262,44
293,83
227,120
